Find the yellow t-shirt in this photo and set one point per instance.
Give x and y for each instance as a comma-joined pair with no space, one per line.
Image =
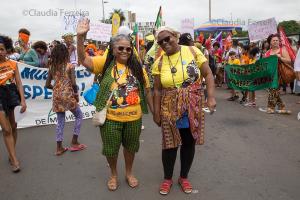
185,63
234,62
125,103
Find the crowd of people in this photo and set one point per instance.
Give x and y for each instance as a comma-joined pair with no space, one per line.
180,72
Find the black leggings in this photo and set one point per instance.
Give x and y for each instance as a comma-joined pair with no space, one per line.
187,152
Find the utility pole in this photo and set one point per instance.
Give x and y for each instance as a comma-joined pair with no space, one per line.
103,15
209,10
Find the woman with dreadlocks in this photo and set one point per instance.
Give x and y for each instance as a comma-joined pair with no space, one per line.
124,78
65,96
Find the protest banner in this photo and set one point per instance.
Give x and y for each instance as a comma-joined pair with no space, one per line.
262,29
261,75
39,99
100,32
187,26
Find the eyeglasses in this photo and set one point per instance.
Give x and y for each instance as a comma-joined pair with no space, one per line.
127,49
166,39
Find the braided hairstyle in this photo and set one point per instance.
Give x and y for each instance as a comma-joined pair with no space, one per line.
133,63
59,58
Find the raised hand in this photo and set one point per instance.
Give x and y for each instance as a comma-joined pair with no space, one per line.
83,26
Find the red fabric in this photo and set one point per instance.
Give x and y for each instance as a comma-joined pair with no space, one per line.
201,38
218,53
286,44
228,42
208,43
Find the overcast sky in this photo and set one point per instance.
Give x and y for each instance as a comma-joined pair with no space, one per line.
14,14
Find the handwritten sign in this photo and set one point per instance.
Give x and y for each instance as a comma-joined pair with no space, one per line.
262,29
187,26
100,32
70,23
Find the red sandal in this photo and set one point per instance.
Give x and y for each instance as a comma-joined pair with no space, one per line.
165,187
185,185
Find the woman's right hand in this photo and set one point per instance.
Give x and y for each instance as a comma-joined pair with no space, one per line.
83,26
156,119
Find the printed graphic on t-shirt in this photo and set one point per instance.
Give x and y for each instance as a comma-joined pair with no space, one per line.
6,73
193,73
127,94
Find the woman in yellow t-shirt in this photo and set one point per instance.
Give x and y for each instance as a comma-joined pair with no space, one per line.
11,95
124,78
178,103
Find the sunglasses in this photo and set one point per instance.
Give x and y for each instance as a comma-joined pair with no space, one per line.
166,39
127,49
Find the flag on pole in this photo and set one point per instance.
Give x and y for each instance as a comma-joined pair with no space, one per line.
201,38
136,34
228,42
286,44
234,32
218,38
208,42
115,23
158,21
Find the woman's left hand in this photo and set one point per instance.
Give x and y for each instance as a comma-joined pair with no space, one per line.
211,104
23,107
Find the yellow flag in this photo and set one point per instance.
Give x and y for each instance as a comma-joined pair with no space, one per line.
234,32
115,23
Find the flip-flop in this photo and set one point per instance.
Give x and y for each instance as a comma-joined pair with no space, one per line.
78,148
132,181
287,112
112,183
15,168
62,152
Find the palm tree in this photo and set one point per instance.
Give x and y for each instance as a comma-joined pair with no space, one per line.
121,14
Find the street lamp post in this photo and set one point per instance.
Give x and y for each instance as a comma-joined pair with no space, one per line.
103,15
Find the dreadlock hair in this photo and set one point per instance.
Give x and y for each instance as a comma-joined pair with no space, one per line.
133,63
7,42
59,58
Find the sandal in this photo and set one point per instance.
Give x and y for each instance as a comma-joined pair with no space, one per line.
185,185
15,168
59,153
270,111
78,147
283,111
132,181
112,183
165,187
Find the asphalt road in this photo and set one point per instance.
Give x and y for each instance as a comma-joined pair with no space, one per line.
248,155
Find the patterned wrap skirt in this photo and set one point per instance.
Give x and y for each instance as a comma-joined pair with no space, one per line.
174,103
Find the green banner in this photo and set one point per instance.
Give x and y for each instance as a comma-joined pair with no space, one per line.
260,75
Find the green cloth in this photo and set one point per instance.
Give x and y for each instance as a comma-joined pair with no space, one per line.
114,133
30,58
260,75
104,92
